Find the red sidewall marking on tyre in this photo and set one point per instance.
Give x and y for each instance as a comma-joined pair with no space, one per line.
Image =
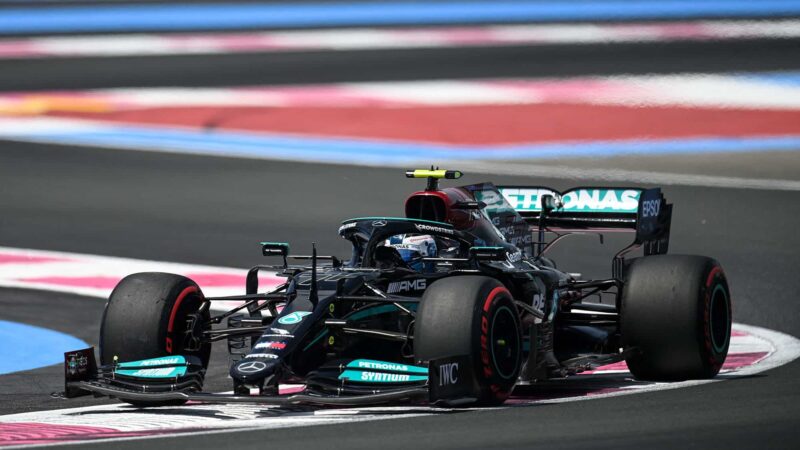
712,274
708,341
175,308
486,368
494,293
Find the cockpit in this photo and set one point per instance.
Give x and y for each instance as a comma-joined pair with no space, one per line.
389,242
439,223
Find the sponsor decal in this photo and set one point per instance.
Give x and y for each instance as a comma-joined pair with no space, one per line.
383,365
520,241
526,199
272,344
601,200
251,366
505,231
383,377
165,372
419,284
346,226
651,208
452,378
379,223
162,361
293,318
134,369
514,257
416,239
448,374
77,363
379,377
580,200
261,355
538,302
433,228
491,198
305,277
278,331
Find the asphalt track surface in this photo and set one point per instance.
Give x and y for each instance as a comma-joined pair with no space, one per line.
213,211
398,65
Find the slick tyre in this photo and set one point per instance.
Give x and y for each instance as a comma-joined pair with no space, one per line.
676,317
146,317
472,316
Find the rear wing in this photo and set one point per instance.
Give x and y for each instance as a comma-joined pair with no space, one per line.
641,211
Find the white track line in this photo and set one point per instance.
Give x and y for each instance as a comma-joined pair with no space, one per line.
734,90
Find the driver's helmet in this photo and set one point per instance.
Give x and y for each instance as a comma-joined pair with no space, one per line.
413,248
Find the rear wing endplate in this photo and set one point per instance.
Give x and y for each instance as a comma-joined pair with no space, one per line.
643,211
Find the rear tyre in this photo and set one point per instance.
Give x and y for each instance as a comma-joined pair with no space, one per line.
472,316
676,313
146,317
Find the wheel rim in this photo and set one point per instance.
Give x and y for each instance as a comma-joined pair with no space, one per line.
187,326
719,318
505,342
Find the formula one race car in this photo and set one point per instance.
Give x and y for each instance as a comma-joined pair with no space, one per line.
454,304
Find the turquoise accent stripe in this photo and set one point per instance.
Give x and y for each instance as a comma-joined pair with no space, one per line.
384,366
282,244
240,15
374,311
140,369
160,361
26,347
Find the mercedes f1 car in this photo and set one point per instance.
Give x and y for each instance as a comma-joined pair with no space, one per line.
454,304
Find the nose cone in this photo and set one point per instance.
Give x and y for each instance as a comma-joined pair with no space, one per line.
252,369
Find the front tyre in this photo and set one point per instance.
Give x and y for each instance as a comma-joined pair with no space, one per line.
154,314
472,316
676,316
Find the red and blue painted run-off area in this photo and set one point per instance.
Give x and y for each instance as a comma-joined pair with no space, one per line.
401,122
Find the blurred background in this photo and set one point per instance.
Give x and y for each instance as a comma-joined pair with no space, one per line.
695,94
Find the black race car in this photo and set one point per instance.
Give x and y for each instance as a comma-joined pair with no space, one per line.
454,304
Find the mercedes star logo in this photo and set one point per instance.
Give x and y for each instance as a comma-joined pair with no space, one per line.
379,223
251,366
